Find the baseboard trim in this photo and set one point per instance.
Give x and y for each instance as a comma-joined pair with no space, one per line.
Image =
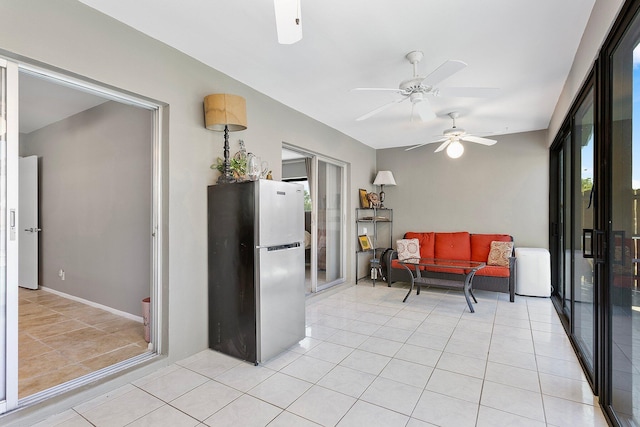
95,304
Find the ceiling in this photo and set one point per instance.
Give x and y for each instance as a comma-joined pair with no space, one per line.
524,48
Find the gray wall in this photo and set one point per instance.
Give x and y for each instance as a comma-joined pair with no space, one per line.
497,189
75,38
95,204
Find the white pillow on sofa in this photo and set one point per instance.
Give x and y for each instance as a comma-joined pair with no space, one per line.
500,253
408,248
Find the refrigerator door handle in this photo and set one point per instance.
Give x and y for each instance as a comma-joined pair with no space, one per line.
280,247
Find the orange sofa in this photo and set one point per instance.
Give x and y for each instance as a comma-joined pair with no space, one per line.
458,246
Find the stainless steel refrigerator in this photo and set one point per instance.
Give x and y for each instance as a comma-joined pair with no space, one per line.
256,268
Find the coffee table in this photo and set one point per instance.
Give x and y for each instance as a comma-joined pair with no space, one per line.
467,269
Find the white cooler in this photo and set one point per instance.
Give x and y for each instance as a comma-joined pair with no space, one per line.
533,272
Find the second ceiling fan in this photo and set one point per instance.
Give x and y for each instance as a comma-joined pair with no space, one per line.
418,87
452,137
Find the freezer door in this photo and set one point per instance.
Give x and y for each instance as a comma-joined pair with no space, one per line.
281,213
280,300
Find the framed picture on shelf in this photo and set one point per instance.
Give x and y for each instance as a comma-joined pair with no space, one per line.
365,242
364,200
374,200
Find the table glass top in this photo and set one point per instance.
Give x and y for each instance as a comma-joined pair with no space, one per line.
445,263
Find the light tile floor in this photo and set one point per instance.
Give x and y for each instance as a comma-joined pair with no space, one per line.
61,339
370,360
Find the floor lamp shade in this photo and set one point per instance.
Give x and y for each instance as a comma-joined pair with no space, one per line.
222,109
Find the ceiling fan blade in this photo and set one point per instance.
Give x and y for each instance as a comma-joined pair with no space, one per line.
443,146
444,71
288,23
424,143
424,110
469,92
415,146
385,89
379,109
478,140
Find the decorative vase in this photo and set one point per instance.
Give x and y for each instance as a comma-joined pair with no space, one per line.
253,167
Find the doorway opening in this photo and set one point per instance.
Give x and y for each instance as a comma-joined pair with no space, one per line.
89,233
324,183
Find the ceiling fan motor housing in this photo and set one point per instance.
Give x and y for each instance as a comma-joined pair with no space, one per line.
454,132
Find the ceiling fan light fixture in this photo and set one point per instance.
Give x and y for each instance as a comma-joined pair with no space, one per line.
455,149
288,23
416,97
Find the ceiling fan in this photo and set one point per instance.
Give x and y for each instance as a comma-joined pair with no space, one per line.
452,137
288,21
417,87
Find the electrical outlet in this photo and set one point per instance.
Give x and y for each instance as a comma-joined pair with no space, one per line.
61,274
364,230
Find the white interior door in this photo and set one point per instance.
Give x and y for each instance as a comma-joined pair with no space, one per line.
28,213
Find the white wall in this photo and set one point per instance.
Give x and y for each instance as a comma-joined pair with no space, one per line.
499,189
95,204
75,38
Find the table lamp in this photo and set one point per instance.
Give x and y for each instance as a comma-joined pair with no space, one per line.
228,113
383,178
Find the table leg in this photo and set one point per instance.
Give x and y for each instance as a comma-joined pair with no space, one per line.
467,290
410,288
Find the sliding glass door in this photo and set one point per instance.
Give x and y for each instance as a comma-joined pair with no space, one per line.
330,214
623,350
324,182
573,205
584,239
8,236
564,216
3,233
47,380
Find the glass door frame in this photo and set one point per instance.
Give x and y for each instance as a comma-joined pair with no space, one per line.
313,190
595,250
343,223
622,25
157,231
563,156
601,79
10,162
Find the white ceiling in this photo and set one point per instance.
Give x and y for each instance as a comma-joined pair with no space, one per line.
525,48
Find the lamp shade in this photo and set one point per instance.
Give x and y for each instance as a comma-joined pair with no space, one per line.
384,178
222,109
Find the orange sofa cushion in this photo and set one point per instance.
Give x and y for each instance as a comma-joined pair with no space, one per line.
481,245
453,246
427,242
